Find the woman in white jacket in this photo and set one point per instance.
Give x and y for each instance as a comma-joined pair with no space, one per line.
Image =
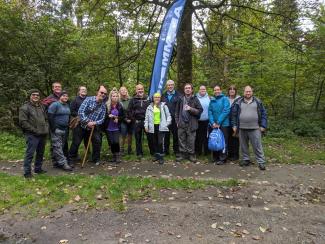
156,125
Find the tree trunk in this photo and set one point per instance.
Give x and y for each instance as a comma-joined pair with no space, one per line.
184,48
118,56
294,90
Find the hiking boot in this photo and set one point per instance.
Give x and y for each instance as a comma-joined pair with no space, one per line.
66,167
161,161
261,166
28,175
245,163
219,162
192,158
40,171
113,160
118,158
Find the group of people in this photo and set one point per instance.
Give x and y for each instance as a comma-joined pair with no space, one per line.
186,117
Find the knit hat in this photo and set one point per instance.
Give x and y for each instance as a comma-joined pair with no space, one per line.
31,91
63,93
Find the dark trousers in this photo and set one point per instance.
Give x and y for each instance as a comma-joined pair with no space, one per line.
138,132
34,143
96,141
78,135
222,155
172,130
156,140
201,140
233,145
113,139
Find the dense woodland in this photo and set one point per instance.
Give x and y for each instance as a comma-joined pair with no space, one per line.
277,46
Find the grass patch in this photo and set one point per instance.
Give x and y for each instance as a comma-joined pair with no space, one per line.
44,194
277,149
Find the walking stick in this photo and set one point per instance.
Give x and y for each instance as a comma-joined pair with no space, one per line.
87,148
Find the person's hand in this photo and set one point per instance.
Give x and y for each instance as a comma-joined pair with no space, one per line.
262,129
91,124
187,108
234,129
128,121
116,120
146,130
111,116
215,125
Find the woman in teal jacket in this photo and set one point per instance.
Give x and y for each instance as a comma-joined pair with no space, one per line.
219,110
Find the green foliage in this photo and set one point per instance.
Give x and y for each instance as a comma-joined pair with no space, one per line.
46,193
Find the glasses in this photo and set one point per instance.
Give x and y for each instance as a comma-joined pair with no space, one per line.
35,95
103,93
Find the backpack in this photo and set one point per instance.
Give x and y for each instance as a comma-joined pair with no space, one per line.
216,141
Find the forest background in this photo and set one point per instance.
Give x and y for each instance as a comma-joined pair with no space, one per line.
277,46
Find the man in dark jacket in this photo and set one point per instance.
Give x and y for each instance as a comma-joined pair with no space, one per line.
136,113
78,134
171,98
33,121
187,114
249,118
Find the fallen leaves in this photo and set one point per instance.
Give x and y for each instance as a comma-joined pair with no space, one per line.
77,198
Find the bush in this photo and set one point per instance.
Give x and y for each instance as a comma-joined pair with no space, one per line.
308,128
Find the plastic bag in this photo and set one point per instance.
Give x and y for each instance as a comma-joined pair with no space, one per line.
216,141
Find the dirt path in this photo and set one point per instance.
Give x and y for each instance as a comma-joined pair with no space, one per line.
284,204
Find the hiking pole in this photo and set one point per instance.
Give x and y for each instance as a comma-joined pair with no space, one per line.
87,148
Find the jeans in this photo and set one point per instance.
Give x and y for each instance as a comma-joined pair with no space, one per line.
34,143
113,138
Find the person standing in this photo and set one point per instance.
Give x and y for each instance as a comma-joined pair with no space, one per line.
249,117
114,116
171,98
233,141
219,110
78,134
59,116
187,114
156,125
127,125
92,115
201,141
136,113
33,121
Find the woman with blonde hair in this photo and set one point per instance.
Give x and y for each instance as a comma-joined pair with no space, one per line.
127,126
156,125
114,116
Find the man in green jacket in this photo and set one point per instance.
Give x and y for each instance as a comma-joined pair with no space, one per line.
33,121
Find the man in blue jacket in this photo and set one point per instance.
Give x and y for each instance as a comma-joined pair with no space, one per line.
249,119
219,110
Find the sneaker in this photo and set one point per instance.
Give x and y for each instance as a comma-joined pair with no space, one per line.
261,166
28,176
40,171
245,163
66,167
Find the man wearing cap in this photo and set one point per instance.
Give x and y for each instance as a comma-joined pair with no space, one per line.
33,121
59,116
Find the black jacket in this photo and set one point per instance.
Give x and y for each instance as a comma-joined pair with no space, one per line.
33,119
137,108
121,116
172,103
75,105
194,113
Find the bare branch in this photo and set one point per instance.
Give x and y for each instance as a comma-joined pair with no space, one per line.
208,5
